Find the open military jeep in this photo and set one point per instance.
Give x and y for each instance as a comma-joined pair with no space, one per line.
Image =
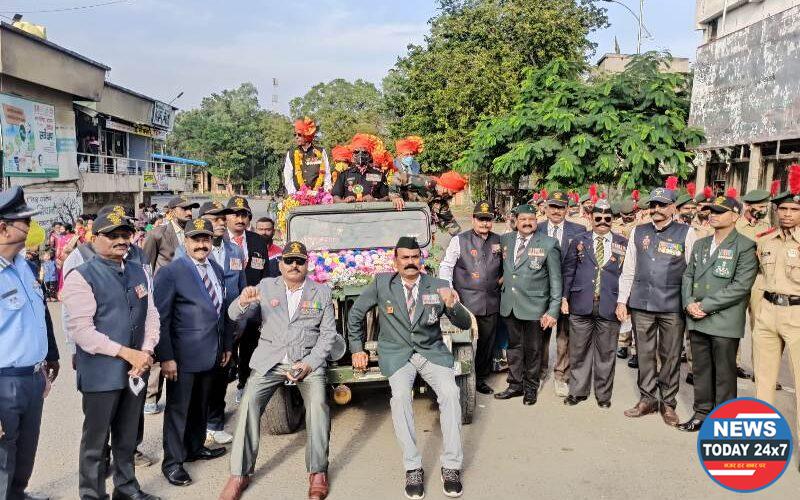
364,226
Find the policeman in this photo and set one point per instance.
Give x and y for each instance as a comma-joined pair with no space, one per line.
473,264
28,354
715,284
776,322
530,301
435,191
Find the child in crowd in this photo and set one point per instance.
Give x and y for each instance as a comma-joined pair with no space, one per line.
48,274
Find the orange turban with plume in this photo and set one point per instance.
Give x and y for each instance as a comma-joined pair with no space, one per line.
305,127
411,145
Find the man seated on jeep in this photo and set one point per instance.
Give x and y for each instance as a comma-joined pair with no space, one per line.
435,191
361,182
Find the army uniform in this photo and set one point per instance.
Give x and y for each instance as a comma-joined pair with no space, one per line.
422,188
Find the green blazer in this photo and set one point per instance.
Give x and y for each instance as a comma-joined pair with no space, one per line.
721,282
401,336
532,286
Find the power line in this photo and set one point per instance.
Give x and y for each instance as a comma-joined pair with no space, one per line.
65,9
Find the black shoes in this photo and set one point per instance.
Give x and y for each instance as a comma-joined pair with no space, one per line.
484,388
693,425
604,404
573,400
139,495
206,454
508,394
634,361
690,378
684,359
415,487
451,482
622,352
740,373
177,476
529,398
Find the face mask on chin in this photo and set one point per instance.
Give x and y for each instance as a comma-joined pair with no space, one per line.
362,159
761,214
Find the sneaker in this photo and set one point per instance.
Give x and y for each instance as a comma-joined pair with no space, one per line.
451,481
239,394
562,389
218,437
142,460
151,409
415,489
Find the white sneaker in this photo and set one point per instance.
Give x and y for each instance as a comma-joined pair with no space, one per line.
218,437
239,393
562,389
151,408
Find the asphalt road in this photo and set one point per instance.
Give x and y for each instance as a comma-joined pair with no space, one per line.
511,451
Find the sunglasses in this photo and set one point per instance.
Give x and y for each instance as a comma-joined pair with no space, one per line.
606,218
117,235
658,204
294,260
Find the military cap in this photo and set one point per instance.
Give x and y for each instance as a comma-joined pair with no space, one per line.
756,196
111,221
117,209
615,208
684,199
198,227
662,195
483,209
558,199
407,242
239,204
585,198
722,204
525,209
13,205
627,207
786,196
602,206
213,208
182,202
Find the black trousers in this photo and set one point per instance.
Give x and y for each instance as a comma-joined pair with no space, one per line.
114,413
247,344
524,353
185,416
592,354
216,398
714,371
484,353
659,337
21,399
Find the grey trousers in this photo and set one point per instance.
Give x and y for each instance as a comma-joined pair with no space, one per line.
659,337
257,393
21,403
561,365
592,355
443,382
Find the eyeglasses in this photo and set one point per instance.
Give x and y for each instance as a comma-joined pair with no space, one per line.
294,260
607,218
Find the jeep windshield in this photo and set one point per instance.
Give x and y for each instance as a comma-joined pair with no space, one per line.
329,229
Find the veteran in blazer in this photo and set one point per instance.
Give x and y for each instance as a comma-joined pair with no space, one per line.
410,305
297,337
530,301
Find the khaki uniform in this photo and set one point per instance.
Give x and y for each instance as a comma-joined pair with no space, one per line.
422,188
747,228
777,326
623,228
702,229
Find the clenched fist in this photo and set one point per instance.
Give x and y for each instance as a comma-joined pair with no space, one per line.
250,295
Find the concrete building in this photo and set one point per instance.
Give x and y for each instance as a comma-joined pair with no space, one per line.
616,63
746,91
74,139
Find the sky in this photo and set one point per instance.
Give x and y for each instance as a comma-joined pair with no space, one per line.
163,47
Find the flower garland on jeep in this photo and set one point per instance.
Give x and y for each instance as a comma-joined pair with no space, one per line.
298,169
304,197
351,268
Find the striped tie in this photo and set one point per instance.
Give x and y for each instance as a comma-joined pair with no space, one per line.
210,287
600,255
523,242
411,302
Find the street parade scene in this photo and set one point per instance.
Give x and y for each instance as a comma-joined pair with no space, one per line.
514,267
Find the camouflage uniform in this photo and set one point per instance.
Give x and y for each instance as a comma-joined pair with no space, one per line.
422,188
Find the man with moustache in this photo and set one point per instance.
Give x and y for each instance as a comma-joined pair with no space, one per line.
256,267
563,231
410,305
473,264
592,266
687,209
716,283
306,164
196,337
115,325
530,301
650,286
298,335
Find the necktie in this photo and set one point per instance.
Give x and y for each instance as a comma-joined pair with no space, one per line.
411,302
556,235
239,240
523,242
600,255
210,287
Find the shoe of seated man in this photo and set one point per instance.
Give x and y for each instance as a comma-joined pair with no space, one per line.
218,437
239,394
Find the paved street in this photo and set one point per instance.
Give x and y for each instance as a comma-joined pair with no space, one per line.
512,451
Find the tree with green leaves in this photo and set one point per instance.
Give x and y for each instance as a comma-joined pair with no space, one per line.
341,109
627,129
472,63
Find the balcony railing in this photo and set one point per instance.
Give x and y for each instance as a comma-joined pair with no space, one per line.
118,165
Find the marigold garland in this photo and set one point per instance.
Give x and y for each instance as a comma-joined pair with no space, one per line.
298,168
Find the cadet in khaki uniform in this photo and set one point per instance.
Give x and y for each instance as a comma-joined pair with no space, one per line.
700,225
716,282
623,226
435,191
777,322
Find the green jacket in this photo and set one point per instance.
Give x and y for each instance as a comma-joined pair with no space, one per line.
532,286
721,282
401,336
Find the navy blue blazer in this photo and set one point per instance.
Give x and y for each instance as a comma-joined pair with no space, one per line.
570,232
234,278
579,269
192,333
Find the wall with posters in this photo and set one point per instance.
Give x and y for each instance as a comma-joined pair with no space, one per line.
55,206
28,138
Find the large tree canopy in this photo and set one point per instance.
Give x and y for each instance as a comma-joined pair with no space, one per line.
473,62
625,129
341,109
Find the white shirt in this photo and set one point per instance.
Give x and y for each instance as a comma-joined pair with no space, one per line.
551,229
607,240
205,269
244,244
629,267
288,172
293,302
178,232
218,254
